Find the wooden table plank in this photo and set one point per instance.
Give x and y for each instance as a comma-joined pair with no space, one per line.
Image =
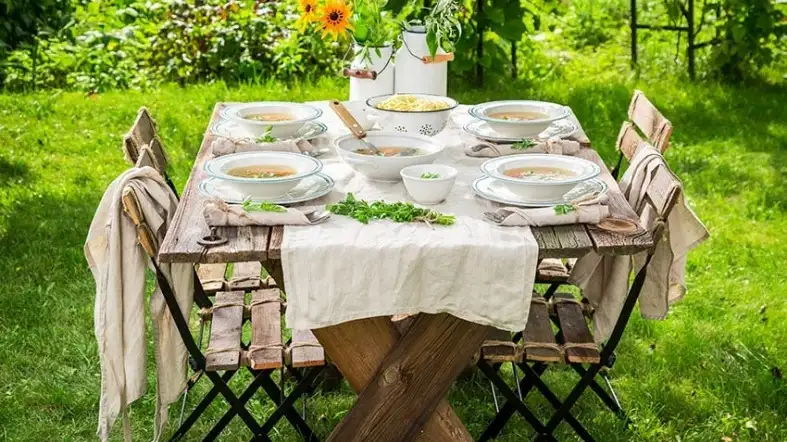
358,349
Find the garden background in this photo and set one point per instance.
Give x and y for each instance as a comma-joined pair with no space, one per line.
74,73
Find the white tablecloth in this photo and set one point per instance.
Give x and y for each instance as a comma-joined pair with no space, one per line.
343,270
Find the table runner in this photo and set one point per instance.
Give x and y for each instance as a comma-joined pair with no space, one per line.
343,270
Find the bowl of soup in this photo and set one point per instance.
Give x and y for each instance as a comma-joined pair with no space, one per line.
540,177
395,151
263,175
519,118
278,119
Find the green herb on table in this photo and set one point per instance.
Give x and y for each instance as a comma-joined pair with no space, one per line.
398,212
266,136
262,206
429,176
524,144
564,209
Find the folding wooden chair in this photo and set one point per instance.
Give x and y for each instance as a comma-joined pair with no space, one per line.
537,347
143,135
266,352
644,116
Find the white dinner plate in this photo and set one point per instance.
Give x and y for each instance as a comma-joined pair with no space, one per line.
230,129
309,188
480,129
494,190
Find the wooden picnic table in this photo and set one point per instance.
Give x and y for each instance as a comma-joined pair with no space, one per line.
402,373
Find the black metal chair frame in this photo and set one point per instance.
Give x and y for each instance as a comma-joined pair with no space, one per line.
532,373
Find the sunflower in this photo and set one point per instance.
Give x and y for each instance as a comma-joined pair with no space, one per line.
336,18
308,13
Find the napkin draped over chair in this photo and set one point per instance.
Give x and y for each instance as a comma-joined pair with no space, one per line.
604,280
118,265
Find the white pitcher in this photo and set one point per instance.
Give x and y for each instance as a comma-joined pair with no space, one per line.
364,88
412,74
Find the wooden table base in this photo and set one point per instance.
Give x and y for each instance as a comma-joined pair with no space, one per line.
402,380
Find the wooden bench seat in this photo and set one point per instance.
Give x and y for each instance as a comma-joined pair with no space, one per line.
540,342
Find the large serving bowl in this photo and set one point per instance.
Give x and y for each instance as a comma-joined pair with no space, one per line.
298,114
540,187
379,168
502,116
423,122
263,188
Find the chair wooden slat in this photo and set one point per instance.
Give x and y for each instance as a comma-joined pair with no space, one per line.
224,350
245,276
266,351
499,347
159,153
650,121
552,270
132,208
575,331
628,140
212,277
305,350
538,338
146,158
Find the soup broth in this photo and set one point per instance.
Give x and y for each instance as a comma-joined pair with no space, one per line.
539,173
274,117
519,116
261,171
390,151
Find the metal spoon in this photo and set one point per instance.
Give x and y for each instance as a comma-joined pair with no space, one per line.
352,124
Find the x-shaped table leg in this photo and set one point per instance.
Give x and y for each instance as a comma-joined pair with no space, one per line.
404,379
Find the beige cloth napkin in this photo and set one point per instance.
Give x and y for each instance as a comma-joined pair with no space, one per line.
553,146
605,280
591,209
219,213
118,265
225,146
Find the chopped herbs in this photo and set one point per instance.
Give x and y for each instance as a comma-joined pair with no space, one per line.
526,143
262,206
267,137
399,212
430,176
564,209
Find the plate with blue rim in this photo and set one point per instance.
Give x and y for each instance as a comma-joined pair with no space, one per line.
230,129
480,129
311,187
494,190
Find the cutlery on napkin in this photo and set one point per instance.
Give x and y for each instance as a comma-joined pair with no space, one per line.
219,213
225,146
554,146
590,209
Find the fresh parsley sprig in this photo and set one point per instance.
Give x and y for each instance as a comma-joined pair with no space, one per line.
564,209
430,176
398,212
262,206
525,143
266,136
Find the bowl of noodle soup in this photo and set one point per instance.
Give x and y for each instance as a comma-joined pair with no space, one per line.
421,114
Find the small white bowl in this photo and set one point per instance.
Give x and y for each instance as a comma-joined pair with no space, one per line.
428,190
534,189
519,128
263,188
429,123
301,114
386,169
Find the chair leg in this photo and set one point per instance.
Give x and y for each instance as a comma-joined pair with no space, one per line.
572,399
503,415
511,398
236,405
611,402
285,408
247,394
200,408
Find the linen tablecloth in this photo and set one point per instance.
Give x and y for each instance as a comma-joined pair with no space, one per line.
343,270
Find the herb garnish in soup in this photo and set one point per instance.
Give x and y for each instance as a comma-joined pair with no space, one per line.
539,173
261,171
269,117
518,116
390,152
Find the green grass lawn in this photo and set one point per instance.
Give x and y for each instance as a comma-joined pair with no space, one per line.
712,370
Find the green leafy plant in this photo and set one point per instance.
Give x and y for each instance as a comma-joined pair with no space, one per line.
564,209
525,143
442,25
399,212
262,206
266,136
430,176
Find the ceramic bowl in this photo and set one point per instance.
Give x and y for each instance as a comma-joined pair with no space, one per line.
429,123
425,190
263,188
378,168
537,188
519,128
300,113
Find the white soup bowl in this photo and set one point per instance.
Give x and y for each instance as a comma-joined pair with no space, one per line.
428,190
386,169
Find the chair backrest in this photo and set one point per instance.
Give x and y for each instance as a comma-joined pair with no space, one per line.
662,195
628,140
143,133
650,121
